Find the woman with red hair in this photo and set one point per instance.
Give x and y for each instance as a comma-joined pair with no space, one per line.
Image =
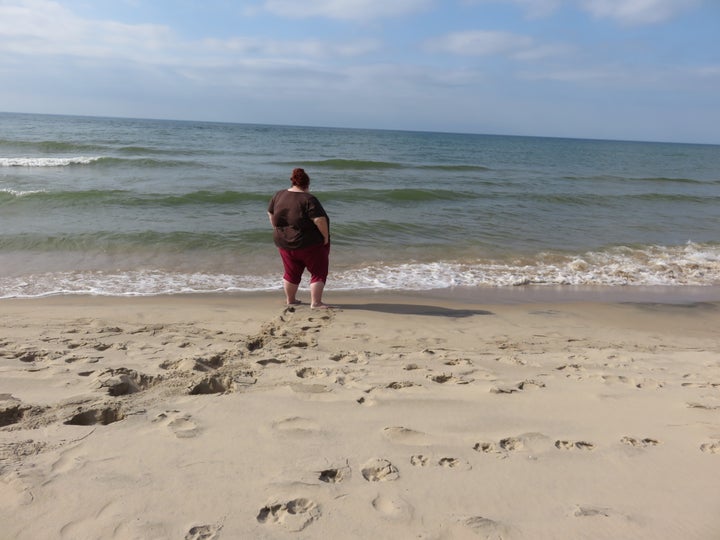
302,235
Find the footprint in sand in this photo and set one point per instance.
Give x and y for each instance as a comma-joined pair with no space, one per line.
219,384
351,357
181,425
459,362
485,528
70,459
32,355
445,378
16,492
574,445
311,372
711,447
399,385
637,383
704,406
700,385
591,511
393,508
527,442
511,444
123,381
296,425
572,371
270,361
486,447
419,460
454,463
203,532
103,415
403,435
379,470
362,400
335,476
293,515
639,443
519,387
12,410
211,385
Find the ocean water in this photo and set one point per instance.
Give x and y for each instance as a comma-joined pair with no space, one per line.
142,207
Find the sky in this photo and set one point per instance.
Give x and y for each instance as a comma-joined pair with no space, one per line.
607,69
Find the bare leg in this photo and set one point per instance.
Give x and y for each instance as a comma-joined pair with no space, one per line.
316,291
290,292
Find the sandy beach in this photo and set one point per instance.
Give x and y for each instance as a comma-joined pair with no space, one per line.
392,416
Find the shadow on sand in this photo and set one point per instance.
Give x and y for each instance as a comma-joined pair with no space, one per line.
414,309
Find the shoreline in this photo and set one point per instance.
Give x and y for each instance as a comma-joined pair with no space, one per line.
428,415
528,294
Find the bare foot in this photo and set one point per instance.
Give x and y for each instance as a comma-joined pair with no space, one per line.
294,303
321,306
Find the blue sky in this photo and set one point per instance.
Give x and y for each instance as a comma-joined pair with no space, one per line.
617,69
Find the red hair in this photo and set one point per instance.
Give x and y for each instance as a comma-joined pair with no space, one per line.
300,178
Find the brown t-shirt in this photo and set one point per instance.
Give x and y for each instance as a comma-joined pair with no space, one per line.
292,216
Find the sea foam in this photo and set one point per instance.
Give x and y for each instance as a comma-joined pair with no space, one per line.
689,265
46,161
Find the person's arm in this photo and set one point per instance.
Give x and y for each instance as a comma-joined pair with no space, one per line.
322,224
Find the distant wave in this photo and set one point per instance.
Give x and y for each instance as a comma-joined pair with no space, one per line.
393,195
65,198
136,242
154,151
591,199
47,161
227,197
103,161
406,196
64,147
149,163
127,198
51,146
351,164
11,194
454,168
649,180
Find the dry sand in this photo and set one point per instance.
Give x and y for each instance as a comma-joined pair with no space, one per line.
390,417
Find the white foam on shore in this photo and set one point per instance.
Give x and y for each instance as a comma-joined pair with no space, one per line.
133,283
690,265
657,265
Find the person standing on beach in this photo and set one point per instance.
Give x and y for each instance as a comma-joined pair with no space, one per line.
302,235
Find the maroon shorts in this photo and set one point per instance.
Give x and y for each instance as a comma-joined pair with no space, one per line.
314,258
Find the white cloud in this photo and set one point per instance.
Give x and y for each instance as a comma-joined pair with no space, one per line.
480,43
637,11
345,9
578,75
488,43
709,71
46,28
37,27
297,48
622,11
533,8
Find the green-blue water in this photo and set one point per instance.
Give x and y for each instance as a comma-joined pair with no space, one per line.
124,207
